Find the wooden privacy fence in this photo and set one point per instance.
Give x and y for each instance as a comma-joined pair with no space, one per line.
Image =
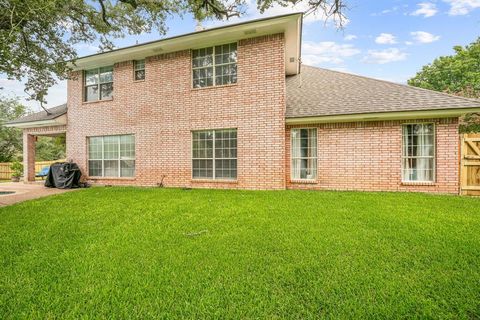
6,172
470,164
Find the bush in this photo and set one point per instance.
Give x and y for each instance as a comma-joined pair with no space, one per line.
470,123
17,168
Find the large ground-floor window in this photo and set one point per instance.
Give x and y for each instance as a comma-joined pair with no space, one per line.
214,154
111,156
418,152
304,154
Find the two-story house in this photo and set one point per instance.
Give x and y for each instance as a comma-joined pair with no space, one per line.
233,107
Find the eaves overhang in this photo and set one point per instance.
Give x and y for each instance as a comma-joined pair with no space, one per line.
59,121
382,116
289,24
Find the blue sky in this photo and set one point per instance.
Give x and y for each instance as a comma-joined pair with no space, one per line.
388,40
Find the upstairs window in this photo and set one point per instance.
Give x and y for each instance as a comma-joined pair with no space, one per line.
139,69
214,66
418,152
98,84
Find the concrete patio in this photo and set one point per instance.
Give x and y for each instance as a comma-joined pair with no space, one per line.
26,191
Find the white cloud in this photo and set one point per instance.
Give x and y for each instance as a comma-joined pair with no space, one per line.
56,94
426,9
462,7
386,11
316,53
408,43
424,37
350,37
385,38
86,48
384,56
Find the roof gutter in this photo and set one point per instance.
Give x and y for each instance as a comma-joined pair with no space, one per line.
204,38
196,33
382,116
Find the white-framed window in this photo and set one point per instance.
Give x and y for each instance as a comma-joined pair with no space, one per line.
304,154
214,66
98,84
139,69
214,154
111,156
418,152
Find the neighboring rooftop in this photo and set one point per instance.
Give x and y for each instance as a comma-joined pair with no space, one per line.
320,92
40,116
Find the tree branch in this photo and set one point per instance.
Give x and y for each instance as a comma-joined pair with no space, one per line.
104,16
227,13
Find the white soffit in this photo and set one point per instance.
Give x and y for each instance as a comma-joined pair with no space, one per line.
290,25
59,121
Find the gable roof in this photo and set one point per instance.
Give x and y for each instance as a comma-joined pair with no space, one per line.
55,112
319,92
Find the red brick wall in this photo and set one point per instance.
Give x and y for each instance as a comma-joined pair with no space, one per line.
163,110
367,156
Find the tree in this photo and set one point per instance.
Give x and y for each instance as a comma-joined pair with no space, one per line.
457,74
10,138
469,123
37,37
50,148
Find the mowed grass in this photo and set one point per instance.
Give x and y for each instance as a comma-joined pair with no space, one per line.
171,253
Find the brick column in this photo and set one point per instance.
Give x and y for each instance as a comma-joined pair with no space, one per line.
28,157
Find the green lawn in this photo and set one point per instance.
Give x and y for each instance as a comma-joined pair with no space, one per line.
171,253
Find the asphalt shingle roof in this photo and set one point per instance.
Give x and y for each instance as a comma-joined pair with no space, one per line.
55,112
321,92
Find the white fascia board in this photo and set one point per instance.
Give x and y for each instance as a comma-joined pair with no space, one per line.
290,25
60,121
381,116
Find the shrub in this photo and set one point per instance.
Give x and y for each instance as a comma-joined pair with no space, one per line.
17,168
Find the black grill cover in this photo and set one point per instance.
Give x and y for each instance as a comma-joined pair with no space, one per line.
63,175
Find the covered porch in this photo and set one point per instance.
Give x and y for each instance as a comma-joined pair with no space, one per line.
51,124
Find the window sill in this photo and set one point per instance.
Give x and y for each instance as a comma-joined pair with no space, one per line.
97,101
213,87
135,81
304,181
418,183
110,178
215,181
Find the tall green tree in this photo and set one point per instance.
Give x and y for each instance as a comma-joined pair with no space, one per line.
37,37
50,148
458,74
10,138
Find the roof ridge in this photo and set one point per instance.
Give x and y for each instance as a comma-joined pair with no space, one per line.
397,84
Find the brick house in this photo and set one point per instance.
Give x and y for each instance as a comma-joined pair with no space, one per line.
233,107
